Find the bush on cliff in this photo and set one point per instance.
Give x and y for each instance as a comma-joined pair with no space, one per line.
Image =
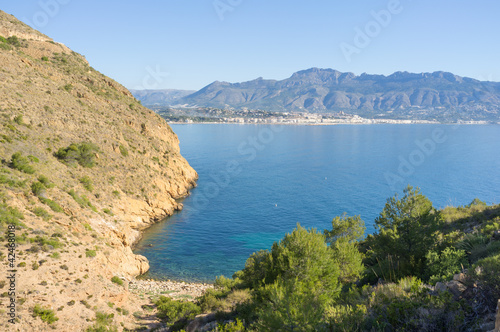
82,154
21,163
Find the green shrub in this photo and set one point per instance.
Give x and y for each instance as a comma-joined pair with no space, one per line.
91,253
68,87
46,182
54,206
42,241
33,159
291,305
418,312
12,182
87,183
213,300
107,211
117,280
44,58
10,215
442,266
346,317
122,311
102,323
172,311
41,212
82,200
4,137
19,119
50,203
487,277
491,226
123,150
116,193
45,315
82,154
225,284
301,254
14,41
406,230
5,46
21,163
38,189
236,326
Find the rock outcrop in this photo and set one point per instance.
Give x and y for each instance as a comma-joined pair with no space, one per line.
497,322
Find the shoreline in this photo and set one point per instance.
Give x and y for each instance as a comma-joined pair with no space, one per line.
174,289
376,122
180,206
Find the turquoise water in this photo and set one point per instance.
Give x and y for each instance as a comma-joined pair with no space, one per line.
257,182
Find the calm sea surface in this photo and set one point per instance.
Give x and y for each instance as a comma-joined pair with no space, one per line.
257,182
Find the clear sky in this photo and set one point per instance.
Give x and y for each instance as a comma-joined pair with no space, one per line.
187,44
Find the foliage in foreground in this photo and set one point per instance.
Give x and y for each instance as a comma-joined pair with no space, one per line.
174,312
338,281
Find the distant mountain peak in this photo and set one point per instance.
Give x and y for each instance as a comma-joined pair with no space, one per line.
404,94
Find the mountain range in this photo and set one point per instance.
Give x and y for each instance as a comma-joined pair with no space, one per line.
399,95
160,97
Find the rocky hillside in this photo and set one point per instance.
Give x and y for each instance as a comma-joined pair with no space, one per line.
438,95
84,168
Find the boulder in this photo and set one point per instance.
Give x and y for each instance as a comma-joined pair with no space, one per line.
203,322
461,277
456,288
440,287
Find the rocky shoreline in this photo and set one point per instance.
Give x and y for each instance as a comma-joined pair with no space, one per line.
174,289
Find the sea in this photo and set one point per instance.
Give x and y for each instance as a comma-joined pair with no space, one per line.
258,182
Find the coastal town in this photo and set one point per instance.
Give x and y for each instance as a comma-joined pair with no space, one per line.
214,115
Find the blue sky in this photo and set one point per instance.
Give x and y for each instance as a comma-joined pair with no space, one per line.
187,44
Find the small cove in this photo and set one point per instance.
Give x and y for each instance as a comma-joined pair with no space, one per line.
257,182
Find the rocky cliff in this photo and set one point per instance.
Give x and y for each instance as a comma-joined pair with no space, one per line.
85,167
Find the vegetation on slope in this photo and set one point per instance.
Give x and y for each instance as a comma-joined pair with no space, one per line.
83,167
400,278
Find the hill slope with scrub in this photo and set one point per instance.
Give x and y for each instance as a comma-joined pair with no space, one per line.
84,168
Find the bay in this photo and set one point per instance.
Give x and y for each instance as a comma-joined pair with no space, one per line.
258,181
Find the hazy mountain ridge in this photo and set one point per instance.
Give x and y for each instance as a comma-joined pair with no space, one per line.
160,97
407,95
